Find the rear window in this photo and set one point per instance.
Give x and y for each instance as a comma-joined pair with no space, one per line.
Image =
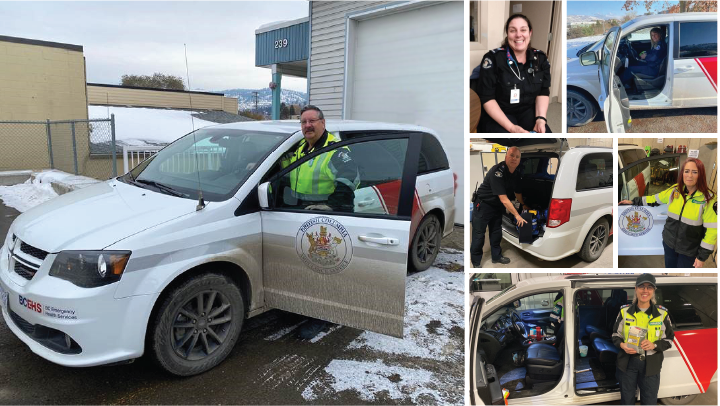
539,167
432,155
698,39
690,307
595,172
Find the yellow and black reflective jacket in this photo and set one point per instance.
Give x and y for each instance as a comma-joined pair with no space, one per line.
691,226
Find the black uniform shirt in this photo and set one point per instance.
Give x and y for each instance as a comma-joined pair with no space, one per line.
496,79
499,181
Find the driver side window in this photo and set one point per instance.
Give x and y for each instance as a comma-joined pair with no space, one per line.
538,301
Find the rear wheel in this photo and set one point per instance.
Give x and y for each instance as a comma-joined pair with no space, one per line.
197,325
678,400
595,241
580,109
425,244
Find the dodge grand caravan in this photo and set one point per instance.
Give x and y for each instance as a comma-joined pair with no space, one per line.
141,263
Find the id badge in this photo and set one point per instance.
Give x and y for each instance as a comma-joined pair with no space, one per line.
657,333
514,96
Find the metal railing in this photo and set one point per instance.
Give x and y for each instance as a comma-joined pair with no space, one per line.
208,158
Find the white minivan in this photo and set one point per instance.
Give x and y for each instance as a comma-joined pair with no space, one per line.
576,364
687,76
571,191
172,257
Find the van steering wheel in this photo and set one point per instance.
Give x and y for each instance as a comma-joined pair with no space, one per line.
518,325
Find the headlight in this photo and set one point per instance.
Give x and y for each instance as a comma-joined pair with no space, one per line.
90,269
10,240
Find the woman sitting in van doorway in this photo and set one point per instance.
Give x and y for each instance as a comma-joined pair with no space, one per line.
641,368
690,231
650,61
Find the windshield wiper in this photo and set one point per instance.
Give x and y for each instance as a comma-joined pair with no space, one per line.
162,187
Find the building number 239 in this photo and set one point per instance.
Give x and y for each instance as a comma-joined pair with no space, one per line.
281,43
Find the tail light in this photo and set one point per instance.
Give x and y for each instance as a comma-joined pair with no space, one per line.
559,212
454,184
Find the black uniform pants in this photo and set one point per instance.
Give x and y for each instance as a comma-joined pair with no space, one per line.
634,377
525,119
484,217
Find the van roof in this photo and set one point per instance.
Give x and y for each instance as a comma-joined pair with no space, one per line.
292,126
664,18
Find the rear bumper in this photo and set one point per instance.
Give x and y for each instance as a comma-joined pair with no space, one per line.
556,244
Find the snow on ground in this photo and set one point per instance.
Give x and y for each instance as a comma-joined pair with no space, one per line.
434,331
143,126
25,196
574,45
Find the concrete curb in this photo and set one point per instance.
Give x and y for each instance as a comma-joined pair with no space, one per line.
9,178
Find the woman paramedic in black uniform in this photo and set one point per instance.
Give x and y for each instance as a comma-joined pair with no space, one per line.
513,83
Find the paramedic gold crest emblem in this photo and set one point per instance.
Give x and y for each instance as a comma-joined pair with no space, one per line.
324,245
636,221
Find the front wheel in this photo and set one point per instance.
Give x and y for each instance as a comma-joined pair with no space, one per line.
595,241
580,109
197,325
425,244
678,400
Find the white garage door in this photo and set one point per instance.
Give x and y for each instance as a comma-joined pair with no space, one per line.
407,67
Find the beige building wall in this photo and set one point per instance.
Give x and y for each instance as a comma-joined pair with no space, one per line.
125,96
39,80
492,16
707,148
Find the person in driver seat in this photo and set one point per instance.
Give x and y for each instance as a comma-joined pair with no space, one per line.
649,63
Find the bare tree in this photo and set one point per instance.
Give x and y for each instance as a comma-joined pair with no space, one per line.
156,81
681,7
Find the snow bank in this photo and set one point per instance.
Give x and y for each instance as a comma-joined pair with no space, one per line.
145,126
25,196
574,45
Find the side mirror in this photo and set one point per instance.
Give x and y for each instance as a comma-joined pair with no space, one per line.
517,303
588,58
264,195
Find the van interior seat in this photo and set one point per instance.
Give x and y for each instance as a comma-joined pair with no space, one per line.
606,350
612,306
544,362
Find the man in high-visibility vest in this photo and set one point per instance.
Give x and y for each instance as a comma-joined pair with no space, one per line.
328,181
642,370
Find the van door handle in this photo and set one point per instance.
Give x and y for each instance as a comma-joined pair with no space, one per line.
379,240
683,69
365,203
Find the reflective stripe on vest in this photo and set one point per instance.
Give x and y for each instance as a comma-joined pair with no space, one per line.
313,180
653,326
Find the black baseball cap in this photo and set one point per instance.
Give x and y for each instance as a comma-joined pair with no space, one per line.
645,278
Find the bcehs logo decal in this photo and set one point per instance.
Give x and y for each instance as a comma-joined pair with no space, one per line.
324,245
636,221
30,304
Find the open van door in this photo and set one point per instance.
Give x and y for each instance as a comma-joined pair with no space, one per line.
484,383
641,226
613,98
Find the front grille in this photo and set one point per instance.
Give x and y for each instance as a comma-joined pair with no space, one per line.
24,271
51,338
32,251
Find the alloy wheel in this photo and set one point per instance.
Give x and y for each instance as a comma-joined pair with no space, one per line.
201,325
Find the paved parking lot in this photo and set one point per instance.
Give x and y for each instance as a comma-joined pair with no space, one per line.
698,120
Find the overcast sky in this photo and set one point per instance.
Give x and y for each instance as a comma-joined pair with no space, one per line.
147,37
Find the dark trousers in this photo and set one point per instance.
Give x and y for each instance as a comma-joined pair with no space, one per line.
525,119
676,260
645,70
634,377
484,217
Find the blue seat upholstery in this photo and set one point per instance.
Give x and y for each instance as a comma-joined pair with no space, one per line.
606,350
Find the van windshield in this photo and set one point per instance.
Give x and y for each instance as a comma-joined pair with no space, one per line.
217,160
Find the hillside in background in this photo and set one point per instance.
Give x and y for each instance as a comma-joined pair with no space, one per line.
246,99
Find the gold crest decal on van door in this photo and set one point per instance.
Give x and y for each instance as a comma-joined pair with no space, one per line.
324,245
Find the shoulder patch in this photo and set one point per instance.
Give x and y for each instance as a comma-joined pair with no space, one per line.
624,306
487,63
657,47
661,307
499,174
344,156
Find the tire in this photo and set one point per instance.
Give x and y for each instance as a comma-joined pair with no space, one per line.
184,350
678,400
595,241
425,244
580,109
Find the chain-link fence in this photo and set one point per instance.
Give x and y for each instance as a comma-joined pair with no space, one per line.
82,147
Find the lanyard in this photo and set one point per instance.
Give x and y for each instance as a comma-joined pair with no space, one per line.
510,63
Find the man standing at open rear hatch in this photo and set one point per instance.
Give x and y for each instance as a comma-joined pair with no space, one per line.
501,184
